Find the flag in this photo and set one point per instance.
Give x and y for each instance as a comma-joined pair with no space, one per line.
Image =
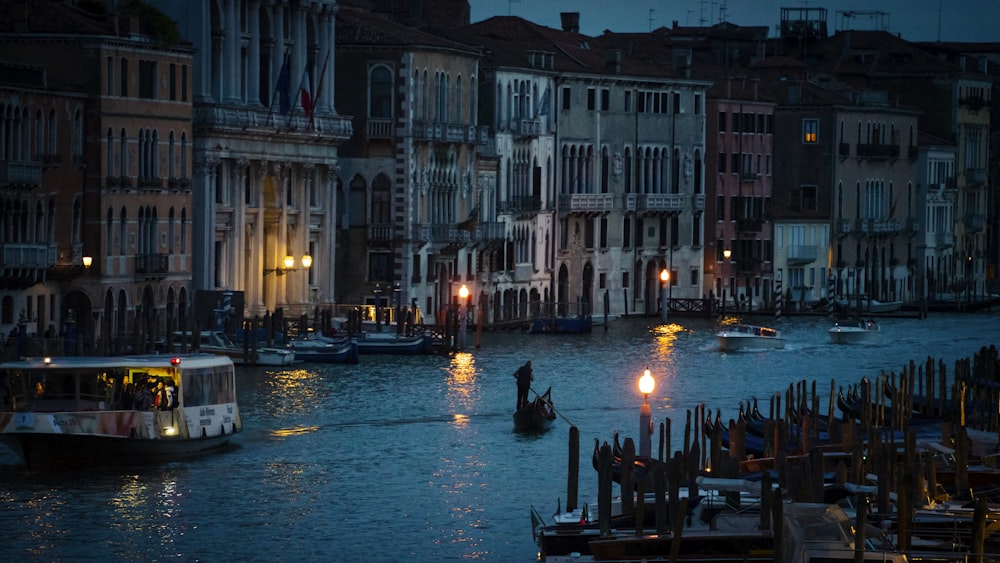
306,95
284,96
545,106
470,222
319,86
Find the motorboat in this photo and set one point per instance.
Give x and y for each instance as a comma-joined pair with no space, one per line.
873,306
748,337
537,415
217,342
865,330
83,411
325,350
393,343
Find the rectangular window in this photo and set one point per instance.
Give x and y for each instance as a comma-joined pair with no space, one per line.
720,207
677,102
697,104
734,161
123,78
184,83
605,99
173,82
722,122
810,131
566,97
809,199
627,107
147,79
722,163
110,86
591,99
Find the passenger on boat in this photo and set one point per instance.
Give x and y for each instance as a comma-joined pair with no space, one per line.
144,397
171,394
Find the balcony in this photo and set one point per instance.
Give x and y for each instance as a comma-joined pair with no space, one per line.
526,127
155,264
974,222
489,232
20,174
380,233
441,234
944,239
975,176
750,225
379,128
118,182
27,256
654,203
798,254
586,203
878,150
878,226
521,204
151,183
179,183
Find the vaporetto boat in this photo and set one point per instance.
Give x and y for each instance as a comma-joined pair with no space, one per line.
71,412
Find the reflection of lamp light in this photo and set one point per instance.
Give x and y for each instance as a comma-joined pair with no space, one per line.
289,265
664,301
88,261
646,386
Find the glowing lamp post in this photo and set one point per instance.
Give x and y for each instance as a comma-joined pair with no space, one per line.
646,385
725,267
664,301
463,294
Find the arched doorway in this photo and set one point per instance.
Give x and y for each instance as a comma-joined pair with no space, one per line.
562,290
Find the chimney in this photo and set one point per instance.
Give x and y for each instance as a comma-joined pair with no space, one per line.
570,21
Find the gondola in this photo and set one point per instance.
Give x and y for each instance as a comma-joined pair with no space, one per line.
641,466
537,415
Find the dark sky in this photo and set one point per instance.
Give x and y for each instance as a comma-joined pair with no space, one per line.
914,20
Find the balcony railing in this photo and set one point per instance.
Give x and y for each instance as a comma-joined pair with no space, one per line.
802,253
521,204
151,183
844,149
750,224
27,255
20,174
440,233
844,226
581,203
878,226
151,263
179,183
526,127
489,231
654,202
380,233
879,150
379,128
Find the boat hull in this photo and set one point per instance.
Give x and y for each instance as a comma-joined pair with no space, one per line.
851,335
561,325
736,343
387,343
346,353
56,452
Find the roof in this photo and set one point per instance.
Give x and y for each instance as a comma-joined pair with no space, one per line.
83,19
357,26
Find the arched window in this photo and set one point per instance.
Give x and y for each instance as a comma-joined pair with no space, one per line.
39,136
109,232
78,134
380,101
110,156
123,163
381,200
122,232
458,101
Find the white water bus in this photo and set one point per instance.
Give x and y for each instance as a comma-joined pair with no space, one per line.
71,412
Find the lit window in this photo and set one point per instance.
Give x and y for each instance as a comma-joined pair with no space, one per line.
810,131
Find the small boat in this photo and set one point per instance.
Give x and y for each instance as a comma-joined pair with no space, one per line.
562,325
392,343
749,337
217,342
84,411
325,350
873,306
865,330
537,415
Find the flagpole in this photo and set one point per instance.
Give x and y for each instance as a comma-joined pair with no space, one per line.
277,86
319,90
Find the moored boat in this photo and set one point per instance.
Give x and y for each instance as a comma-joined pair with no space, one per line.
392,343
82,411
325,350
217,342
749,337
537,415
865,330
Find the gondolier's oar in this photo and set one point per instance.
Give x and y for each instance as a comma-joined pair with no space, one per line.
549,401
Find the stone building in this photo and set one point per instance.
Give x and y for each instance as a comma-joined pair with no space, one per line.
265,162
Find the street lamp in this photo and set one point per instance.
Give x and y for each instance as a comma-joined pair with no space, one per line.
665,281
289,265
463,294
725,270
646,385
88,261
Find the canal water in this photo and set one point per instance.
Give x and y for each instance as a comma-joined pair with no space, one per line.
414,458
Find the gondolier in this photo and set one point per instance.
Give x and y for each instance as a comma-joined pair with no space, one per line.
524,378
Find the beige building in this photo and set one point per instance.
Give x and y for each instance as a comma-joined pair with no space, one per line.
116,169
